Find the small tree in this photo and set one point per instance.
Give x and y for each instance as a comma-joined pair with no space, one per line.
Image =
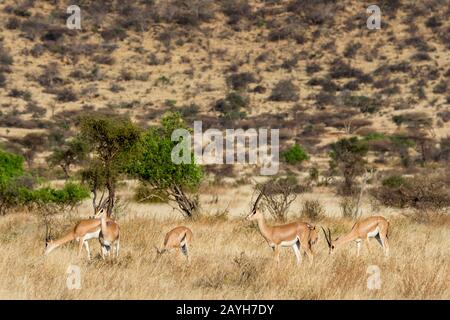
347,155
112,140
72,152
33,143
419,129
95,178
155,165
277,195
402,144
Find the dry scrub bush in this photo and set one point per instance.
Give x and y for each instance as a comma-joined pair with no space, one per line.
348,207
313,210
285,90
277,195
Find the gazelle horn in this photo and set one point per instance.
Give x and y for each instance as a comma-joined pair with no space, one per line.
257,200
327,237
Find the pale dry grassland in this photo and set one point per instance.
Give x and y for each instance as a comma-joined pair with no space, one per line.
230,260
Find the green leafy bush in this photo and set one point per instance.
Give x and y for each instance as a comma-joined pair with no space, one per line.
394,181
16,188
70,195
11,166
295,155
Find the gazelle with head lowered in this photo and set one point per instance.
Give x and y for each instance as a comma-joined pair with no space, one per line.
371,227
109,236
82,232
297,235
177,238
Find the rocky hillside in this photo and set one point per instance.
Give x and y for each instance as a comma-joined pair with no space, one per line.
311,68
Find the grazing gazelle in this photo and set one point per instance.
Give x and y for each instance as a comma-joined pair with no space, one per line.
82,232
109,234
178,237
371,227
298,235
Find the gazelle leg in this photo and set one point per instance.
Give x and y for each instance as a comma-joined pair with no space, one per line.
103,252
86,245
80,246
384,243
386,247
298,255
185,250
276,253
309,253
379,239
358,247
368,245
117,248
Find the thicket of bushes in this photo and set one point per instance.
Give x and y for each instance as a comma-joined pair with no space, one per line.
17,188
420,192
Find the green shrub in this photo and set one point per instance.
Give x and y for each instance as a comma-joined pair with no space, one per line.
70,195
394,181
295,155
11,166
16,187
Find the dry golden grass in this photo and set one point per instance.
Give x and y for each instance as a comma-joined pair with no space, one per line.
230,260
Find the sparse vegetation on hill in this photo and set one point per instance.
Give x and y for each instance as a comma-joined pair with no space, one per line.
145,47
88,115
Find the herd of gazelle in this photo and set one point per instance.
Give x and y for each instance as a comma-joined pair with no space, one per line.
298,235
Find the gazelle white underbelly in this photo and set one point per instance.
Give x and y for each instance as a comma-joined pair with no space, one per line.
289,243
91,235
373,233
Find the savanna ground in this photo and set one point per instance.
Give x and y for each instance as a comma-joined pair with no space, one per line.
230,260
